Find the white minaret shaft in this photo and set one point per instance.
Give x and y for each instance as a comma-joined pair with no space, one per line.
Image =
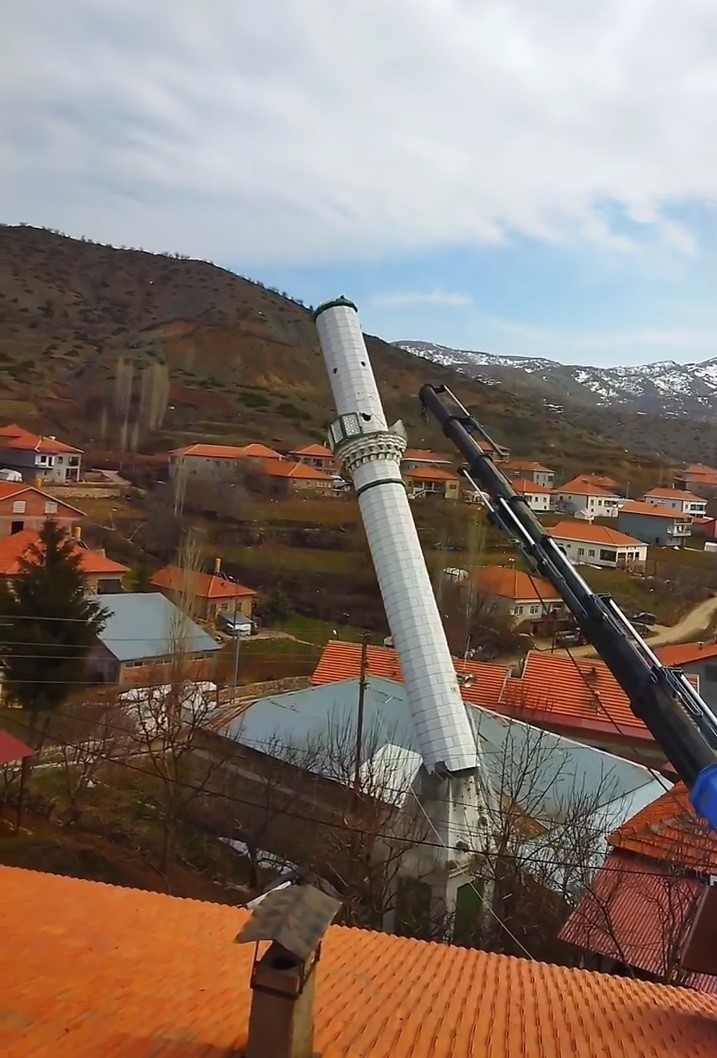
371,455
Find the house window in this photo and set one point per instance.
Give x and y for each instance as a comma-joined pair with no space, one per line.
19,507
50,507
591,553
581,551
534,609
607,556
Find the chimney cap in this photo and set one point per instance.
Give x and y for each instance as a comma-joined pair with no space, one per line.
296,917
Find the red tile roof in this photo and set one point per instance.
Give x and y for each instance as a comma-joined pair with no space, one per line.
211,451
20,439
425,455
653,510
669,831
672,494
590,533
685,653
342,661
298,471
260,451
526,464
313,451
638,913
92,563
11,488
91,969
12,749
430,474
582,487
202,585
515,584
523,485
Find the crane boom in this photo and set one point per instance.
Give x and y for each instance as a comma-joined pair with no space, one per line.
681,722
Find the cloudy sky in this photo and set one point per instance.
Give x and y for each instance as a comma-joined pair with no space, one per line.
527,176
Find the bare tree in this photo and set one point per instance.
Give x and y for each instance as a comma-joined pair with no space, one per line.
93,733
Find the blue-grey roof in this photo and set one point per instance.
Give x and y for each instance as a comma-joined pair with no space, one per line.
543,772
148,625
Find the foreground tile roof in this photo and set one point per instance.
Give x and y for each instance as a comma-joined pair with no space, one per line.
92,970
638,913
686,653
667,830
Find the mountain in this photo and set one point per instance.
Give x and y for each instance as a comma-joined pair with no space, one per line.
118,349
663,388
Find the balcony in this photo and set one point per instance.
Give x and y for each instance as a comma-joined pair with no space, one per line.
679,529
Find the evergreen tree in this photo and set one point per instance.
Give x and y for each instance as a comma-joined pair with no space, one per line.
48,626
140,578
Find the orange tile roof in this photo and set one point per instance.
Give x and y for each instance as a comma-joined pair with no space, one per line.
700,468
603,480
426,455
20,439
92,563
511,583
298,471
582,487
342,661
207,451
673,494
590,533
91,969
430,474
523,485
260,451
669,830
654,510
313,451
11,488
685,653
202,585
526,464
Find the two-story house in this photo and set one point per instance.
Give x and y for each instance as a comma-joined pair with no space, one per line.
679,500
654,523
420,458
26,507
432,481
529,470
36,457
538,497
698,478
524,597
580,496
319,456
210,462
598,545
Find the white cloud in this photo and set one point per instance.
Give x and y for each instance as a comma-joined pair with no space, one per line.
294,132
415,298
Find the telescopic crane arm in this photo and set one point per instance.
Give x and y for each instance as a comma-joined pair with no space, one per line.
678,718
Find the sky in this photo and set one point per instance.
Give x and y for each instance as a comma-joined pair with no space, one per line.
534,178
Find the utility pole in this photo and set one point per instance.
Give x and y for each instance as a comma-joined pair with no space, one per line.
236,650
359,718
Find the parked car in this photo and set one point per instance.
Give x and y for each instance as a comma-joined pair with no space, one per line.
643,617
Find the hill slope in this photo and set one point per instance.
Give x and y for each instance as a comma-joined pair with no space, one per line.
116,347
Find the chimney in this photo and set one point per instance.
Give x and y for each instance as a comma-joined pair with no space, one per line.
77,532
217,566
283,980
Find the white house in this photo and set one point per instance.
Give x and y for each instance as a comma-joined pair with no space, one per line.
538,497
522,596
580,495
529,470
598,545
678,500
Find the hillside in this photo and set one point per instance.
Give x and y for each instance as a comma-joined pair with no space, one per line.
665,406
123,348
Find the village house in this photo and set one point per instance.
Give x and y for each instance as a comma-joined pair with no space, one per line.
127,970
207,594
319,456
636,917
603,481
538,497
697,478
577,698
285,479
432,481
27,507
587,499
598,545
102,575
655,524
148,641
699,663
529,470
679,500
524,597
210,462
38,458
420,458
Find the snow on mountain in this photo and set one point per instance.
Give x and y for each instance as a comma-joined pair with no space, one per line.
665,387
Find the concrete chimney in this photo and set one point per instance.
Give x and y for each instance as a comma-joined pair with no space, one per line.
281,1021
217,566
77,532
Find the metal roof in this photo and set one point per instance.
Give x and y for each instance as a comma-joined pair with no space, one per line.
147,625
12,749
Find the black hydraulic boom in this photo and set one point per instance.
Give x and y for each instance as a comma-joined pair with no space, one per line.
679,719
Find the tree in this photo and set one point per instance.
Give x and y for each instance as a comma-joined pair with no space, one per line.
140,578
49,627
275,606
